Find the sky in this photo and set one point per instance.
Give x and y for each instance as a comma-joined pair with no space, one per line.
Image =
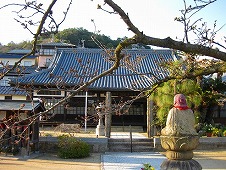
154,17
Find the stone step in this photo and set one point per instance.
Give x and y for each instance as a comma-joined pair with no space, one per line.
124,145
133,140
126,129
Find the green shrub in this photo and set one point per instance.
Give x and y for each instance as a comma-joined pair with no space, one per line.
224,133
147,167
70,147
217,132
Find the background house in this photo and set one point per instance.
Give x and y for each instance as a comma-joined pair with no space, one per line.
30,64
26,67
12,98
46,51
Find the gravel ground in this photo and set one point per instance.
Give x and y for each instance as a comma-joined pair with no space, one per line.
50,162
209,160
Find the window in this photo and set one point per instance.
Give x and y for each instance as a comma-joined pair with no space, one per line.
76,110
27,63
48,61
47,51
134,110
219,111
57,110
8,97
4,82
223,111
48,92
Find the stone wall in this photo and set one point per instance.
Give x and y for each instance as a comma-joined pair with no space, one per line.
98,145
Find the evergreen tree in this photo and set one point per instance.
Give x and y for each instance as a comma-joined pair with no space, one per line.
76,35
163,98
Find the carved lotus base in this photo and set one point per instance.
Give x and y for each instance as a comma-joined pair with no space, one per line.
179,148
184,143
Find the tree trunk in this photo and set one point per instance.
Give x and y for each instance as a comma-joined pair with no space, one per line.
108,114
150,128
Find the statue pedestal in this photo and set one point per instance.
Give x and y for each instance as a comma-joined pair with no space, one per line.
100,130
180,165
179,151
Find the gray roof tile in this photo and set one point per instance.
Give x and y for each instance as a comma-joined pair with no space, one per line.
16,105
7,90
74,66
5,55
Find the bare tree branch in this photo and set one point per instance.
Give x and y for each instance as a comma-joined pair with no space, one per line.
167,42
39,30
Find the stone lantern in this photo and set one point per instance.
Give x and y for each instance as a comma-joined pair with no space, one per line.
179,138
100,129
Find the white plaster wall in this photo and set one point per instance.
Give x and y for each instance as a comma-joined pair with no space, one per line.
18,97
2,97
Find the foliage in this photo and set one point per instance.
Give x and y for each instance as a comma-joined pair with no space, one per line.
208,128
224,132
201,92
12,46
163,98
9,149
213,89
217,132
70,147
215,84
75,35
148,167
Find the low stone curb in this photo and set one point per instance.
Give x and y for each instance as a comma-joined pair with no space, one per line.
205,143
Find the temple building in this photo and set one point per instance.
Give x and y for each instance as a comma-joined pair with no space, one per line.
72,67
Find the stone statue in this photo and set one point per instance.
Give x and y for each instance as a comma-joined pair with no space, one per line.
180,120
100,129
179,138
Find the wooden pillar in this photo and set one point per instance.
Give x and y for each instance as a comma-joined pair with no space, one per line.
108,114
150,118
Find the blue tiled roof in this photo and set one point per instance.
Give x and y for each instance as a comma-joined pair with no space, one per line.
5,55
22,69
75,66
7,90
224,78
19,51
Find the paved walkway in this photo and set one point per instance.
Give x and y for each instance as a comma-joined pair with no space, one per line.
132,161
209,160
127,135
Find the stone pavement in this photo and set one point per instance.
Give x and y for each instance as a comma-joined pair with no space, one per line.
209,159
133,161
